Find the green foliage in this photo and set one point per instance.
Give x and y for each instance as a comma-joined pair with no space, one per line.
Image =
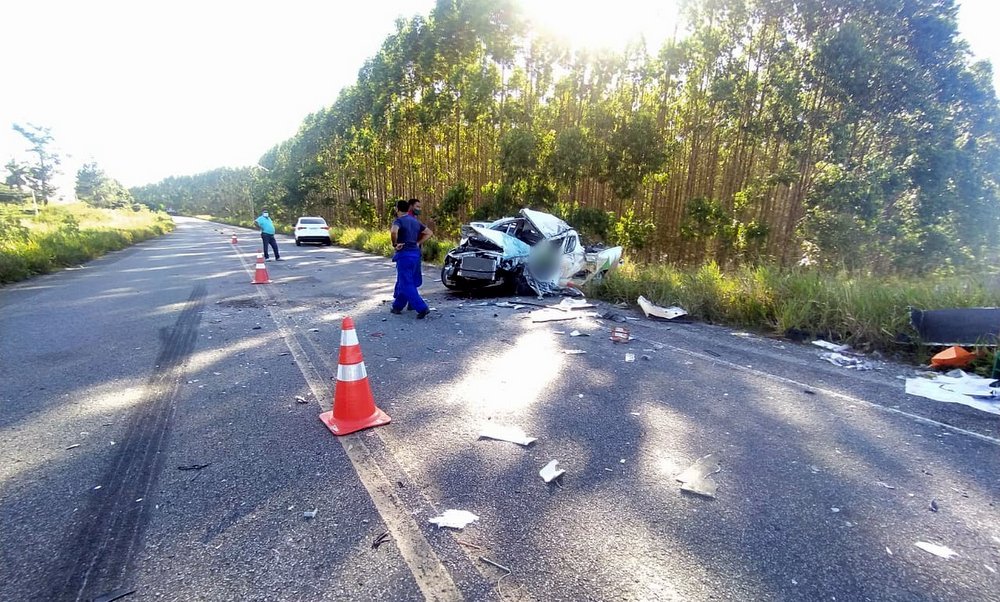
37,176
96,189
589,222
631,231
453,210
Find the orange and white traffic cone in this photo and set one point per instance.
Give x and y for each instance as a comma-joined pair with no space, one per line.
234,239
353,405
260,272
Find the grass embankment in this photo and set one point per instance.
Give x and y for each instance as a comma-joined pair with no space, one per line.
68,234
870,313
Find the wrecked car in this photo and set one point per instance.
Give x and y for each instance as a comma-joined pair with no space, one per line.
534,252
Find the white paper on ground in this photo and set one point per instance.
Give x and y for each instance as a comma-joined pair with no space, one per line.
549,471
949,389
937,550
513,434
456,519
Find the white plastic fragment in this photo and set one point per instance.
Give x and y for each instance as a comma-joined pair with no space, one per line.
512,434
577,333
697,477
846,361
888,551
938,550
549,471
300,399
310,513
455,519
655,311
958,387
629,357
574,351
831,346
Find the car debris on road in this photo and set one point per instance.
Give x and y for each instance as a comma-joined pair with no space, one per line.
454,519
513,434
697,477
550,472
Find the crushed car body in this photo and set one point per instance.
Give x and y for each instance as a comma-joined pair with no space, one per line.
535,252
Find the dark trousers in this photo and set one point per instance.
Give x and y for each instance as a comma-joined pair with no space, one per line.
408,278
269,240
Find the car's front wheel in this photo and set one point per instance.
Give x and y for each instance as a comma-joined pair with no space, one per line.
298,243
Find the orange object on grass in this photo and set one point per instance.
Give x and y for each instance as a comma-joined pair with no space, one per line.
953,357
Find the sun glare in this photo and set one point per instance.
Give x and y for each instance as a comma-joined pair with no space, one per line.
605,24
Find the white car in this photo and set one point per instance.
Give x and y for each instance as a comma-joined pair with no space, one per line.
311,229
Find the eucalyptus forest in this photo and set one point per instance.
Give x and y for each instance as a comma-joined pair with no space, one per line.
858,135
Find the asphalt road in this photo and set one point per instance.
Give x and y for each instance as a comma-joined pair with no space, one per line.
151,442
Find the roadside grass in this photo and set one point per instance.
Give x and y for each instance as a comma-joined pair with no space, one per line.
867,312
68,234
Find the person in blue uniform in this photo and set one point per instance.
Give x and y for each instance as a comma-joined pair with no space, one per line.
407,235
267,234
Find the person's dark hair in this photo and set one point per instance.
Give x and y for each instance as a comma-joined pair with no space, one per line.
402,205
412,202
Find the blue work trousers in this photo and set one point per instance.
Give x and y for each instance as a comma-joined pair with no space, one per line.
408,278
269,241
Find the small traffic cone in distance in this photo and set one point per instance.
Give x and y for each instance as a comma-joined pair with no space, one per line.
260,271
234,239
353,405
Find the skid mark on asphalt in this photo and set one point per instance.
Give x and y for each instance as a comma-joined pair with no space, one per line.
843,397
430,574
98,557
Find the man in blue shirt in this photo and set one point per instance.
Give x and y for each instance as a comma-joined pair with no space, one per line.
407,235
267,234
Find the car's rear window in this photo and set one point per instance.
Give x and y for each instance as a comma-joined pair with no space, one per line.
312,220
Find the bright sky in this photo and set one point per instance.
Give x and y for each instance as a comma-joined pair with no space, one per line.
151,89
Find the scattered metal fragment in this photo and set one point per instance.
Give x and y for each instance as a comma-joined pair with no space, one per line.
377,335
300,399
712,353
888,550
496,564
574,351
577,333
310,513
381,539
647,357
115,595
808,392
697,477
936,549
620,334
846,361
392,359
74,446
314,330
933,507
194,466
549,471
512,434
886,485
456,519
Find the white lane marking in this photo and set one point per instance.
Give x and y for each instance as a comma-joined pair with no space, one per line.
428,571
